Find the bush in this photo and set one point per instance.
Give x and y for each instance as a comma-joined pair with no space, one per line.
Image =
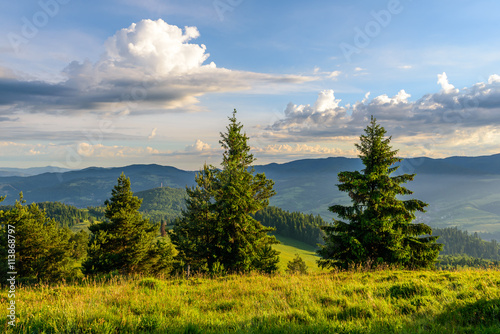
297,266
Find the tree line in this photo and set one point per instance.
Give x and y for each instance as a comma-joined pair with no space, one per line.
449,262
66,215
456,242
296,225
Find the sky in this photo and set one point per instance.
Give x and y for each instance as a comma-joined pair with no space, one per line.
120,82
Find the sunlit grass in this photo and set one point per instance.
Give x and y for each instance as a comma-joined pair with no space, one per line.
289,247
391,301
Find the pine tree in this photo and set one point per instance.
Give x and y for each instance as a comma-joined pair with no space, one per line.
125,242
296,266
217,228
195,233
43,251
267,259
380,228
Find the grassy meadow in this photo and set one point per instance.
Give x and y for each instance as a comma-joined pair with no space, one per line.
385,301
288,248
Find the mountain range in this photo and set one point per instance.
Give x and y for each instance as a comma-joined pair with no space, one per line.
460,191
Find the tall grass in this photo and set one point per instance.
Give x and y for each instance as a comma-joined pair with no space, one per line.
390,301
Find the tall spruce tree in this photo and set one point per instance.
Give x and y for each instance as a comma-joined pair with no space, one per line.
379,227
125,242
217,229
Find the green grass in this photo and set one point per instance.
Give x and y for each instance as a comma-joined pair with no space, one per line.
289,247
391,301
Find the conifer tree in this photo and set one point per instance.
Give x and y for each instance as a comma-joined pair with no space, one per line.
195,233
43,251
125,242
379,227
217,228
296,266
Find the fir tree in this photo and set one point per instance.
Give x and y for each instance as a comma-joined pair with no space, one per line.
379,227
296,266
267,259
217,228
43,251
195,233
125,242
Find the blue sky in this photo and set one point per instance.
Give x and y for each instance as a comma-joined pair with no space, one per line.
119,82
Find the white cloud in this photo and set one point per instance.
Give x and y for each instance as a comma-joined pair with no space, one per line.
153,134
494,78
401,97
34,152
302,149
326,101
334,75
88,150
156,47
198,146
432,120
149,67
445,85
9,149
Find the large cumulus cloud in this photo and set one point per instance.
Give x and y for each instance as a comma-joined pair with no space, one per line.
149,67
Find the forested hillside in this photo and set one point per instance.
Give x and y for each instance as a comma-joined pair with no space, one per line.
296,225
162,203
66,215
461,242
158,204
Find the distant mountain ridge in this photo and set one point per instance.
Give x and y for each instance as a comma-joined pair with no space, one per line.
9,171
90,186
461,191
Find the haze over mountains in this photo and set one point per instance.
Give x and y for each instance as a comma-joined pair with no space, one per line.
461,191
31,171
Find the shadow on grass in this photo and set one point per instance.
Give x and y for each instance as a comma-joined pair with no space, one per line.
481,316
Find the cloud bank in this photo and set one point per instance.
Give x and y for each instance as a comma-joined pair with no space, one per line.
469,117
149,67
